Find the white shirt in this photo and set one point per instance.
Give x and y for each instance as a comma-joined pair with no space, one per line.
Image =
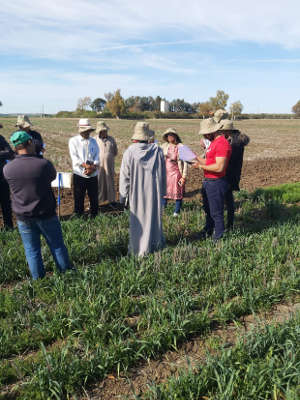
83,150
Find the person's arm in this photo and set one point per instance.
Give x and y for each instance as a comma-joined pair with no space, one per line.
96,153
76,160
51,171
6,153
115,147
219,166
124,181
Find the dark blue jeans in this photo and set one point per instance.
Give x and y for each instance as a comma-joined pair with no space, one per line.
31,232
213,192
178,204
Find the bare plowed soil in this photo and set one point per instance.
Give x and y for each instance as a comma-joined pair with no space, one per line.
255,174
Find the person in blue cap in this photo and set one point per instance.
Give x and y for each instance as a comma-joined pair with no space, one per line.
33,202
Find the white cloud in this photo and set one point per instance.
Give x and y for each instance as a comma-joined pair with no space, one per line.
60,29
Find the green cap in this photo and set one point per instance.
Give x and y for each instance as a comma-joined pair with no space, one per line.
19,137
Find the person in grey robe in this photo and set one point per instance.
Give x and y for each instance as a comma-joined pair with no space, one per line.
106,173
143,185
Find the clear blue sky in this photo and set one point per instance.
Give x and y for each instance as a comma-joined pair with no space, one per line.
52,53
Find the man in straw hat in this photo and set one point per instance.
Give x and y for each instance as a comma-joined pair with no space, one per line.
24,124
84,153
106,173
143,184
34,204
6,154
215,185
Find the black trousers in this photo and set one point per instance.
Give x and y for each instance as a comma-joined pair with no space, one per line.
81,186
5,204
229,202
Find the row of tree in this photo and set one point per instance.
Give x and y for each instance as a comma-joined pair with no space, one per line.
117,105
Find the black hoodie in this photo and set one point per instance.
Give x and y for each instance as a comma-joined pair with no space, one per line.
234,168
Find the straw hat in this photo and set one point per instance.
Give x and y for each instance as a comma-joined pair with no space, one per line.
84,125
227,125
171,131
220,115
209,125
101,126
23,122
142,131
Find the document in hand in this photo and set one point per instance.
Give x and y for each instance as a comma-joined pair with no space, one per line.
186,154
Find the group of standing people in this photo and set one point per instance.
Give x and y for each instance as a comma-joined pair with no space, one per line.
150,175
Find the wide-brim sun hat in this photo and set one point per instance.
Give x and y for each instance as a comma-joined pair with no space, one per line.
220,114
84,125
23,122
19,137
227,125
171,131
142,132
101,126
208,126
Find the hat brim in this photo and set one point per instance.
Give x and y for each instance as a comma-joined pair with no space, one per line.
23,125
102,130
165,136
208,132
84,129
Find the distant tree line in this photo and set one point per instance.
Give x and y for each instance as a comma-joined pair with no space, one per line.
134,107
142,107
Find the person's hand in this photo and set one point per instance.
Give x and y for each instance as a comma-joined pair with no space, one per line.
196,164
181,181
201,160
89,169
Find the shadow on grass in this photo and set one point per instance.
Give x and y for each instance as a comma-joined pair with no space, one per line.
254,221
110,209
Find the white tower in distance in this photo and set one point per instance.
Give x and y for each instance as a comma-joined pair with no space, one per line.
164,106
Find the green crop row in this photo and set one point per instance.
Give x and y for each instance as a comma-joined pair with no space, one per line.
85,317
171,302
263,365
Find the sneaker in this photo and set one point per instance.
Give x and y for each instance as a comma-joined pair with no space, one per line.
175,214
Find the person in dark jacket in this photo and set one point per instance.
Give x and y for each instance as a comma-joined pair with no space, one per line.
24,124
238,142
33,202
6,154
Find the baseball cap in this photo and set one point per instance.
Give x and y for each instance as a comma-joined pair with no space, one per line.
19,137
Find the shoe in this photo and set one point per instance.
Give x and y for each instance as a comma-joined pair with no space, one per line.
175,214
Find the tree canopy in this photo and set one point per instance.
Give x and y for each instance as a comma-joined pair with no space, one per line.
117,104
83,103
98,104
219,101
296,108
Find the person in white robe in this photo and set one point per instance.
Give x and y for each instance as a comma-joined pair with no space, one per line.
106,173
143,185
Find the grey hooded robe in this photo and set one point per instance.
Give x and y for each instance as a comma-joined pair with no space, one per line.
143,183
